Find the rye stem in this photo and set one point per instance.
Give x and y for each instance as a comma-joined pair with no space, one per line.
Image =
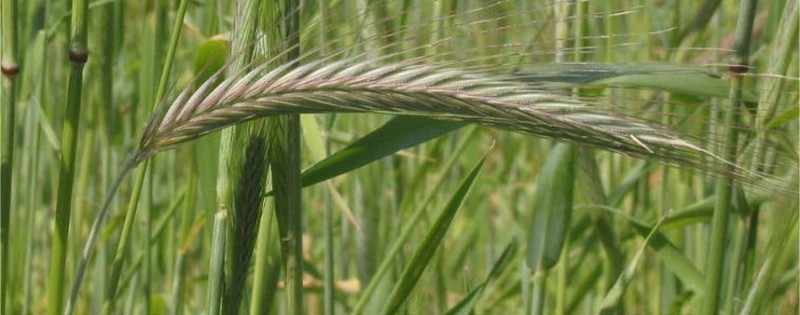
724,185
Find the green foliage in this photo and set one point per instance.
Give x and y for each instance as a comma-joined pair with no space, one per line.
399,99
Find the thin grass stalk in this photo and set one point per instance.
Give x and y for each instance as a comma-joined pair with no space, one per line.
579,29
286,182
329,250
105,127
785,48
431,242
155,56
216,266
330,257
538,294
737,252
121,252
10,69
267,268
244,157
34,142
284,155
562,277
176,31
78,55
184,232
116,264
32,202
724,185
408,229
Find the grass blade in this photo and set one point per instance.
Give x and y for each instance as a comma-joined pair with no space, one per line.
614,296
397,245
216,268
466,306
425,252
552,208
397,134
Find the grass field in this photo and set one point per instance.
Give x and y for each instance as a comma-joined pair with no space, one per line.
399,156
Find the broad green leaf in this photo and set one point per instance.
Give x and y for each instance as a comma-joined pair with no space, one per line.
552,208
614,296
433,239
398,133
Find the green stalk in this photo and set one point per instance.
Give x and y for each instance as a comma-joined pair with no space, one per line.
108,303
538,292
267,269
285,161
215,278
10,69
562,279
284,155
245,162
184,232
408,228
329,251
116,264
724,185
78,55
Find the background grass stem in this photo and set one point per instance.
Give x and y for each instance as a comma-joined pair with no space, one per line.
78,55
724,186
10,68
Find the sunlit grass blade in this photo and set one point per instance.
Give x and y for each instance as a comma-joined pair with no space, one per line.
614,296
396,246
426,250
397,134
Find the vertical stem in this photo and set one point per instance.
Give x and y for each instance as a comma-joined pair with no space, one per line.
724,185
217,258
184,233
330,267
10,69
285,164
176,32
538,294
78,55
245,163
266,273
116,264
